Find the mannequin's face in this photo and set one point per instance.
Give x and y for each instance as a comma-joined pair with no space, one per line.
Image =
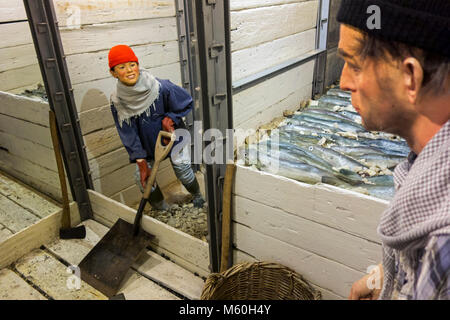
127,73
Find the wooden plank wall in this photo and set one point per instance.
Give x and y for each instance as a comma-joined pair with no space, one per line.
265,34
26,150
19,68
88,30
325,233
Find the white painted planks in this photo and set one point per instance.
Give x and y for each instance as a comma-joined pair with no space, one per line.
82,12
12,10
236,5
99,37
323,232
249,61
255,26
337,208
318,270
34,110
253,105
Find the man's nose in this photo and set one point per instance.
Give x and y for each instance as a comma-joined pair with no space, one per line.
346,81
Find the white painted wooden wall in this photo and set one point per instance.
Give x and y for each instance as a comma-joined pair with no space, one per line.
19,68
264,34
26,150
326,234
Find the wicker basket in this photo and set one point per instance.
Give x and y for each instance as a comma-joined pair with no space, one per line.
258,281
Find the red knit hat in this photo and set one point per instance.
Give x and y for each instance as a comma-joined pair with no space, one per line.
121,54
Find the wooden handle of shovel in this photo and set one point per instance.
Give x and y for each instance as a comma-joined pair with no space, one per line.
161,152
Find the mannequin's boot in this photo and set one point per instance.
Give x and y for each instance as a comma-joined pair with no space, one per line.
157,201
194,189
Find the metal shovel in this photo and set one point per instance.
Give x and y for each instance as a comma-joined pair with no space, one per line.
106,265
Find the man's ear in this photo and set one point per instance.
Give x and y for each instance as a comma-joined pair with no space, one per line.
412,77
113,73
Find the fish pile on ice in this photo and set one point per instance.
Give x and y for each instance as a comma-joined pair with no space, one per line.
326,143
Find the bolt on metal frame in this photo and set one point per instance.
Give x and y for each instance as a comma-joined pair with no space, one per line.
47,42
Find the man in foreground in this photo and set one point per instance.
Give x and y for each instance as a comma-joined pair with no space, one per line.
399,77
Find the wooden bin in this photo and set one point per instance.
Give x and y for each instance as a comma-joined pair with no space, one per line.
258,281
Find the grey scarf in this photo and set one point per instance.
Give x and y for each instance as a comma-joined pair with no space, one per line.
131,101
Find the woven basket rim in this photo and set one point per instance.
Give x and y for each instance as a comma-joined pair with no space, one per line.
215,281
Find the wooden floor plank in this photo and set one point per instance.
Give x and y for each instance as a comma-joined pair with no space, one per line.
15,217
13,287
134,287
26,197
52,277
169,274
4,233
137,287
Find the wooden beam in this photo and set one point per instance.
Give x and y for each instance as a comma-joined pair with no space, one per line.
32,109
32,237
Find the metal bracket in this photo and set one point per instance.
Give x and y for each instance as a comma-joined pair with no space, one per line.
215,50
218,98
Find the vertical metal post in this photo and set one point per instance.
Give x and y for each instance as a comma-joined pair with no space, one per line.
44,29
213,65
321,43
184,26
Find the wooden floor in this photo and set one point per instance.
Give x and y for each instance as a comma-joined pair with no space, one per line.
21,207
45,273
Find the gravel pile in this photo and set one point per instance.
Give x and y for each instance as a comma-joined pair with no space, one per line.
186,218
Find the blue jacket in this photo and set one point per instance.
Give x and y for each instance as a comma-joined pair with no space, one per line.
139,138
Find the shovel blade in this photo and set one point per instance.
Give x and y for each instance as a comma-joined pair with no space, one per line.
106,265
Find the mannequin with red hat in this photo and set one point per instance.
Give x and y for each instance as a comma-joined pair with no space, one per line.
142,105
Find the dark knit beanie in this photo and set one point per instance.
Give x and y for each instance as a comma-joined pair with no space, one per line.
419,23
